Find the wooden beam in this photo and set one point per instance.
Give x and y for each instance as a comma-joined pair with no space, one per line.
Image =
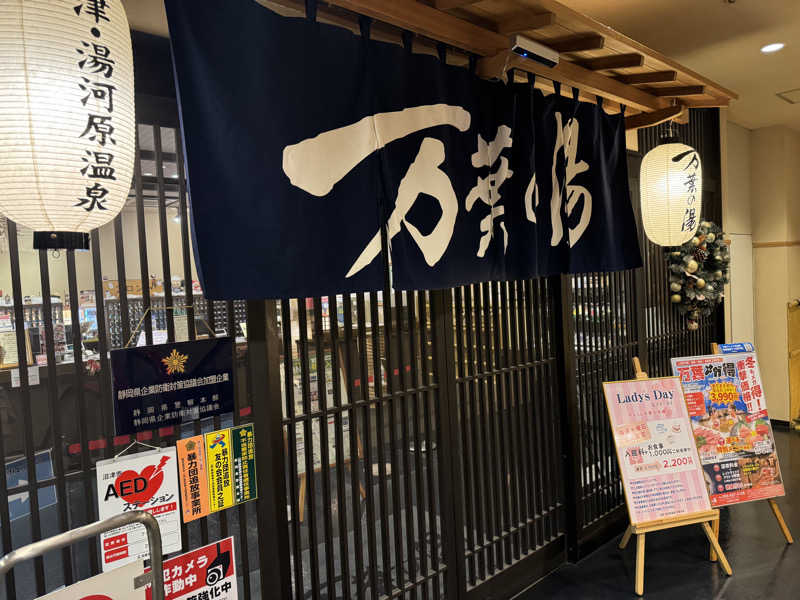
429,21
648,77
448,4
612,61
494,67
525,21
675,91
648,119
564,12
703,103
590,82
576,43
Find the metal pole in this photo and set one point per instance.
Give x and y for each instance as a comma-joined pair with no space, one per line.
156,574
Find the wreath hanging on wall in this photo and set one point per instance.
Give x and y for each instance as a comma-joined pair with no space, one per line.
698,272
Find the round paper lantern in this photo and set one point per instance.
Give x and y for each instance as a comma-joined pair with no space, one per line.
66,116
671,193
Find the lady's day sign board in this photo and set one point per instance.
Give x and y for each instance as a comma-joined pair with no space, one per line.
661,471
731,427
144,481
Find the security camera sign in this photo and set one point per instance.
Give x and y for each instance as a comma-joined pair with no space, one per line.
146,481
208,573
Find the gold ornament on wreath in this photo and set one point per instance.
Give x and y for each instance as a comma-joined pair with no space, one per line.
698,272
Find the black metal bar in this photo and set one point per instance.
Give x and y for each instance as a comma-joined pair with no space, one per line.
264,354
169,315
55,417
451,488
124,312
570,419
143,268
380,428
294,478
338,428
308,439
322,394
401,299
355,447
188,281
363,371
417,366
82,409
25,396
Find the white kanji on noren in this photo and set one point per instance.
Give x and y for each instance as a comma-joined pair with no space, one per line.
487,190
566,141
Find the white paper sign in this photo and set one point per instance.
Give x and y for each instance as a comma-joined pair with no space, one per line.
145,481
106,586
33,376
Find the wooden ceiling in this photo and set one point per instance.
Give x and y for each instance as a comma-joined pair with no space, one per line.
593,57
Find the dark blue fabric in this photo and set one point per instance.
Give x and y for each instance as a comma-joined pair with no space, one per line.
251,83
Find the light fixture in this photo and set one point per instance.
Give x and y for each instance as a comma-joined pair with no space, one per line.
66,117
769,48
671,193
177,217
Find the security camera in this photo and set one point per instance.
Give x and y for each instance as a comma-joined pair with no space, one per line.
527,48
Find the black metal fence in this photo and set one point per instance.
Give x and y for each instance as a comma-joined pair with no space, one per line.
450,443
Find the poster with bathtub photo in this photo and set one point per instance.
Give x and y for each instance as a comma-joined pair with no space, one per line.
731,426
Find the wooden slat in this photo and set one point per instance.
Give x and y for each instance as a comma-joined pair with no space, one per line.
525,21
591,82
678,90
448,4
648,119
564,13
648,77
576,43
428,21
612,61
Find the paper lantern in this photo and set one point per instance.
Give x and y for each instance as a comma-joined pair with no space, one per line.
671,193
67,121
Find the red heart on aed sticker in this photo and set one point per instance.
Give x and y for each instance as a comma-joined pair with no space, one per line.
138,488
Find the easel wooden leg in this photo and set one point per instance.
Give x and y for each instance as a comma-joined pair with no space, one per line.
626,538
639,564
779,516
723,561
712,556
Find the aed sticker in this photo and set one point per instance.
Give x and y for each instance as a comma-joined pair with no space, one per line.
146,481
208,572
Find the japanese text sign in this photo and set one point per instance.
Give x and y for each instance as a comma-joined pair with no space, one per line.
167,384
732,430
106,586
208,573
471,180
217,471
146,481
661,471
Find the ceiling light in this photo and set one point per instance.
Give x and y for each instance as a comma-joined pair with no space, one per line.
772,47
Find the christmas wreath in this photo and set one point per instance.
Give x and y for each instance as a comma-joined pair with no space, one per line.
698,272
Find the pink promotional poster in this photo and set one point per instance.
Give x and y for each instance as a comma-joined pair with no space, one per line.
661,470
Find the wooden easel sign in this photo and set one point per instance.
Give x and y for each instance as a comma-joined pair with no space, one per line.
661,472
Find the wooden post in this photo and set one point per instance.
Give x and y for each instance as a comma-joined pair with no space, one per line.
639,564
637,368
626,538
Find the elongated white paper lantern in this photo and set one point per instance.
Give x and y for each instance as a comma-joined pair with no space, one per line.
66,116
671,181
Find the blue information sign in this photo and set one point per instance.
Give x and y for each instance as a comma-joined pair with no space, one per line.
736,348
168,384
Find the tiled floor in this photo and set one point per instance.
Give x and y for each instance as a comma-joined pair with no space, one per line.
676,566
